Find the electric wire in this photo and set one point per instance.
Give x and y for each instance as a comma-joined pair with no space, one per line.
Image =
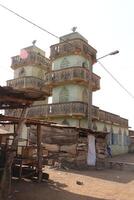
116,80
29,21
33,23
50,33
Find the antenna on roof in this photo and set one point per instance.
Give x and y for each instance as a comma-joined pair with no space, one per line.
74,29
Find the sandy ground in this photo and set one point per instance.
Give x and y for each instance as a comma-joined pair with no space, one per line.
110,184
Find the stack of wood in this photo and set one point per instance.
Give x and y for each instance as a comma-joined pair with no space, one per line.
67,147
82,149
100,151
60,143
29,151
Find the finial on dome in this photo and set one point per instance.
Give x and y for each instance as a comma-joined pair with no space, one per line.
74,29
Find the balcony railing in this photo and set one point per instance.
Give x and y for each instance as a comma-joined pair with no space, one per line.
72,74
75,46
59,109
95,112
112,118
95,82
27,82
75,108
32,59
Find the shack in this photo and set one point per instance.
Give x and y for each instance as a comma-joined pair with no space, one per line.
70,146
14,99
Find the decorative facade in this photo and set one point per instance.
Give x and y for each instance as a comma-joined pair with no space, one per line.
72,80
29,70
68,78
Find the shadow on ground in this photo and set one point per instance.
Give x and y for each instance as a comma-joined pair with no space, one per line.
107,174
50,190
125,175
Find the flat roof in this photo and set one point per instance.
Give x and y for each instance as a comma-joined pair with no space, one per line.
12,99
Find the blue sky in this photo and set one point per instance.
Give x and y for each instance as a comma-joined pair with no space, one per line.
107,24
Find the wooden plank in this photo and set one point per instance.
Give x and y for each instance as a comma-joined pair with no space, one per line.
39,153
52,147
6,179
8,98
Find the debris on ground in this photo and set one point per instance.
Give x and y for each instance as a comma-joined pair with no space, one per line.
79,183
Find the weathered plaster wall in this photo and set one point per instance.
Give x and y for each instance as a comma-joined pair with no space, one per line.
121,146
73,60
75,92
119,149
72,121
30,71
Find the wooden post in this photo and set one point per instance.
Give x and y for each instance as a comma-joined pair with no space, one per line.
0,139
6,179
39,153
89,110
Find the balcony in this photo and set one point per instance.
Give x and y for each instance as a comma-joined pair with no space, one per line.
28,83
112,118
59,109
32,59
69,109
78,75
95,112
75,46
95,82
76,109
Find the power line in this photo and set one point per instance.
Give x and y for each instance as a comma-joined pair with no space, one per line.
115,79
29,21
50,33
36,25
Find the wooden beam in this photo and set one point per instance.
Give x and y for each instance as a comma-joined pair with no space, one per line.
13,106
39,153
8,98
6,179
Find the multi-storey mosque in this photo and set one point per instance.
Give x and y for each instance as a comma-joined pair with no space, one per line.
68,78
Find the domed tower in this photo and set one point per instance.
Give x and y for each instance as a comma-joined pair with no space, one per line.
72,81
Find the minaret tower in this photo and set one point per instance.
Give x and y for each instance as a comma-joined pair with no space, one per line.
29,69
72,80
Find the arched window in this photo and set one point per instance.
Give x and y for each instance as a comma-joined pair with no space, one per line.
105,128
94,126
112,135
120,137
65,122
125,138
85,64
22,72
85,95
108,138
64,63
64,95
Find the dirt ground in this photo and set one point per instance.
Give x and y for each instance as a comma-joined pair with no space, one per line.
109,184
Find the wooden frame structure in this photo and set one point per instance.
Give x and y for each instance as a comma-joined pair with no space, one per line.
14,99
7,120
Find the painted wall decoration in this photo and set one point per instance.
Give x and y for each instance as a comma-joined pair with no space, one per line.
64,63
22,72
64,95
85,95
